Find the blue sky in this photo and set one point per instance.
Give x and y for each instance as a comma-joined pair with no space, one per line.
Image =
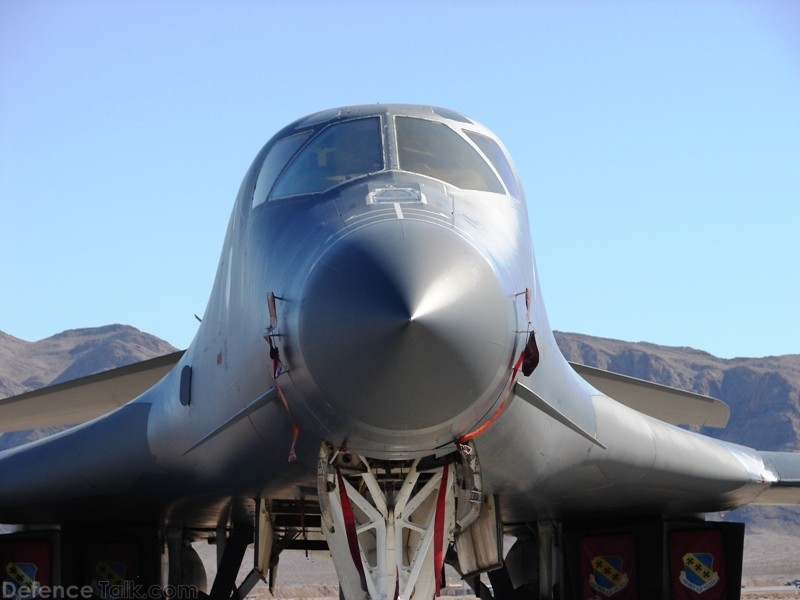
658,143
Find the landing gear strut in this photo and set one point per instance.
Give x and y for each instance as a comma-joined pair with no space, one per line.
387,524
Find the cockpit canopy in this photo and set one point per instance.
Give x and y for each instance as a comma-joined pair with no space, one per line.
312,158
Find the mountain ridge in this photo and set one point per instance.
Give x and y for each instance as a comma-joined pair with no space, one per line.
26,366
73,353
763,393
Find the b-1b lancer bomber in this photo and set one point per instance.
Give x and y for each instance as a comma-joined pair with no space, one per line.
375,375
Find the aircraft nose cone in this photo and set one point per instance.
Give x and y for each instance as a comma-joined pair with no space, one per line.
404,326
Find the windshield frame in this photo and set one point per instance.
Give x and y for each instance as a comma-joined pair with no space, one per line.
452,158
311,179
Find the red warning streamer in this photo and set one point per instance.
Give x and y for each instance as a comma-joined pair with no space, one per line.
295,428
438,529
476,432
350,529
528,361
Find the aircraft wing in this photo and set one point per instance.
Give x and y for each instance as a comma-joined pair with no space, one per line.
665,403
786,490
82,399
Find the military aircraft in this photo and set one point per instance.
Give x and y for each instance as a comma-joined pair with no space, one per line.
375,374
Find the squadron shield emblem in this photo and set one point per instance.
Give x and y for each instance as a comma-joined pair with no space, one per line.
607,575
698,571
110,579
22,577
608,567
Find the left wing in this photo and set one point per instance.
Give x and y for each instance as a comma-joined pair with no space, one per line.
786,468
663,402
85,398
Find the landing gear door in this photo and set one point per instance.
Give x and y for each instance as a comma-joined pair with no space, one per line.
264,538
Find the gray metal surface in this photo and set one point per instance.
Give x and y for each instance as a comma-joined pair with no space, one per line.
78,401
672,405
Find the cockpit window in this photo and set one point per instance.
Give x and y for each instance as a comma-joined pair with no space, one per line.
493,152
433,149
340,152
274,162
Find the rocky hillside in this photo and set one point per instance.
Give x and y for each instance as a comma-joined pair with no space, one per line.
27,366
30,365
763,393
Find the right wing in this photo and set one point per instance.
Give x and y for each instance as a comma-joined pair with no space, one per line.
85,398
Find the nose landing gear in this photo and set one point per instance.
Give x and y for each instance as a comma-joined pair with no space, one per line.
387,523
